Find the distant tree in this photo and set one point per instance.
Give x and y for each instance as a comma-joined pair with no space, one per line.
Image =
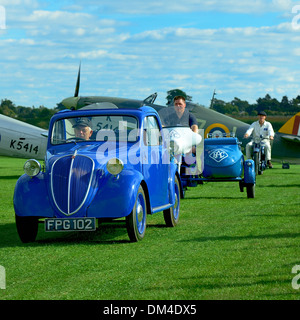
224,107
251,110
267,104
218,105
263,103
36,116
295,105
285,104
8,108
176,92
230,109
8,103
242,105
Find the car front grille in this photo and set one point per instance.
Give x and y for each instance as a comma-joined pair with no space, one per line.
70,182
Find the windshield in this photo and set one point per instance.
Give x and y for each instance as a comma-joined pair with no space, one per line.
169,117
96,128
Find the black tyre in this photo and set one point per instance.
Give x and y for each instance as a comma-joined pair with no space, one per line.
171,215
27,228
241,186
256,162
136,221
250,190
260,166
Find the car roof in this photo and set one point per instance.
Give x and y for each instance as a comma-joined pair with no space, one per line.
104,108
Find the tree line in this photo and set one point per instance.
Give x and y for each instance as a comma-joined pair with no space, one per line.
40,116
268,104
238,107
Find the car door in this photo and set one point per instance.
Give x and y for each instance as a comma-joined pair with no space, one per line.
155,170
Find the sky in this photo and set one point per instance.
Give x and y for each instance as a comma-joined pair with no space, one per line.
133,48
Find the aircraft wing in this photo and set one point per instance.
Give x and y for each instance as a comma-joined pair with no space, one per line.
217,124
291,138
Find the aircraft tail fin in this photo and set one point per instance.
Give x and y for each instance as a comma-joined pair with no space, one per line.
292,126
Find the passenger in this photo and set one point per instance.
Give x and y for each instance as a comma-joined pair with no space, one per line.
82,128
178,115
260,129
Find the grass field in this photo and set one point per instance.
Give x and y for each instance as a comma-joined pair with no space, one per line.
225,247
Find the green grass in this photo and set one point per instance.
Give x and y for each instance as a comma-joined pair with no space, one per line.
225,247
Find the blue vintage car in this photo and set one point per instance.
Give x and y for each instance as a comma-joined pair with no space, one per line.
102,162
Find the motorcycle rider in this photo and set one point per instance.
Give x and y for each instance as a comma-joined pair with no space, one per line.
261,129
178,115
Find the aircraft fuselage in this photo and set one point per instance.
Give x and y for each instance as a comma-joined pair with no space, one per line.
21,140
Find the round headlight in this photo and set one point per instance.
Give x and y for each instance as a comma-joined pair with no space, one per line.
114,166
32,167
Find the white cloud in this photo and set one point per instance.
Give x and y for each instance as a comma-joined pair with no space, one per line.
282,5
296,51
27,42
260,70
136,7
95,54
24,3
40,53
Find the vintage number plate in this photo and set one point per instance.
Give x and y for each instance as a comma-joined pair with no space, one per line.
70,224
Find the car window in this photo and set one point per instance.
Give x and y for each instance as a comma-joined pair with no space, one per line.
96,128
152,131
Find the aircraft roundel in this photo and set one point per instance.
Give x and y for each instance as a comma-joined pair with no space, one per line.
216,130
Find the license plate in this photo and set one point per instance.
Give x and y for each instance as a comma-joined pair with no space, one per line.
70,224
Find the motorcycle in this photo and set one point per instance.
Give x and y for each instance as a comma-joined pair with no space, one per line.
259,156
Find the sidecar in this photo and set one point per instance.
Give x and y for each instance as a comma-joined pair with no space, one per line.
223,160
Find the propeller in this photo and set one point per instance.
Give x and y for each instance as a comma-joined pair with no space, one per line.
71,103
78,82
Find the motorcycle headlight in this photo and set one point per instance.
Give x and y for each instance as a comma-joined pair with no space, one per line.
114,166
32,167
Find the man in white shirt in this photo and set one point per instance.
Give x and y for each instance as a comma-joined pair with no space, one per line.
260,129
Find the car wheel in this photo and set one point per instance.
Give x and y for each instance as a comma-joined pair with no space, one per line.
27,228
171,215
136,221
250,190
241,185
256,162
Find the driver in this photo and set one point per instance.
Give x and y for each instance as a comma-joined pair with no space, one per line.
260,129
82,128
